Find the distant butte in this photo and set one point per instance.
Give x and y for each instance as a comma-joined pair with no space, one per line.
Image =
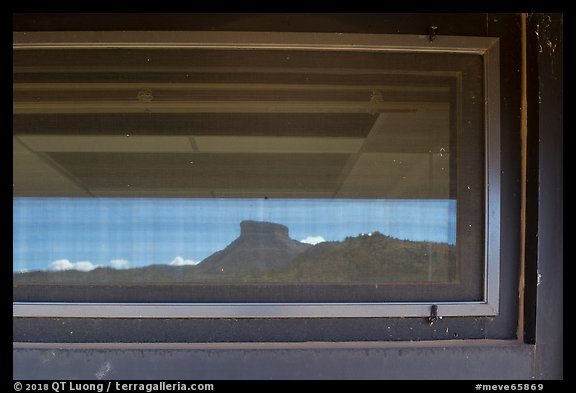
260,229
260,246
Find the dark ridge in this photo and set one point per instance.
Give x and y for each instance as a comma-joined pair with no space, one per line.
261,246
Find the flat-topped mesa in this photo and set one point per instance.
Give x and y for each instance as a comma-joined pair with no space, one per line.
259,229
261,246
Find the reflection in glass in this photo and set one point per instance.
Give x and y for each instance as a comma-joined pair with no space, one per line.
205,166
275,240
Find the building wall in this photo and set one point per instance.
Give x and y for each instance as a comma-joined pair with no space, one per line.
45,354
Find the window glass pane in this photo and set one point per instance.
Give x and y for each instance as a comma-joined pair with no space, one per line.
247,175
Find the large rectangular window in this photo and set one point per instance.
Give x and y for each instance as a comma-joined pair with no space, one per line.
249,175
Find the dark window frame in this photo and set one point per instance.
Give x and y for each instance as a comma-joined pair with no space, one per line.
487,47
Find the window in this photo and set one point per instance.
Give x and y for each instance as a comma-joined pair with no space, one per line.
247,175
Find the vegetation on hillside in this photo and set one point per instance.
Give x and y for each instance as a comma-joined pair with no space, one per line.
360,259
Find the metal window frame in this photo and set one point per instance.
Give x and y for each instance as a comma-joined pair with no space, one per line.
487,47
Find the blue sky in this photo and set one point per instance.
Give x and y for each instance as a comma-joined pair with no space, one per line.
82,233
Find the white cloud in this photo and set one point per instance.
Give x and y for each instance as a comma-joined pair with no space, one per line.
313,240
64,264
119,263
179,261
85,266
61,264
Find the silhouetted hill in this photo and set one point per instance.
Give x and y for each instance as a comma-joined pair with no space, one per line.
261,246
107,275
368,258
265,253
